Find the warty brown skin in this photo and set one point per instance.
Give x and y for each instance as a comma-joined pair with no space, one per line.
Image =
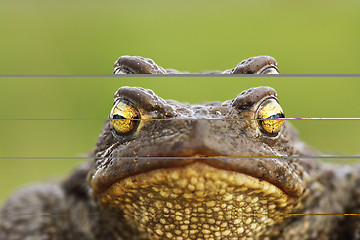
77,209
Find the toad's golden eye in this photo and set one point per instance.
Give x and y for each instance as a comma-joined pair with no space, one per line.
268,110
122,71
121,116
270,70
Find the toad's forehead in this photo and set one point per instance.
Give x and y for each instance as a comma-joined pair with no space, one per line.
206,110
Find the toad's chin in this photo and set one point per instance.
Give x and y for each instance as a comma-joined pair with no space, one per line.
197,200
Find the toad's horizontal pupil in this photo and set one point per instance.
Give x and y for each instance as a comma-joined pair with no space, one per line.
117,116
275,116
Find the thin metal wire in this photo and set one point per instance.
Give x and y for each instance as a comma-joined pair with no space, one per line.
169,119
181,75
195,157
240,214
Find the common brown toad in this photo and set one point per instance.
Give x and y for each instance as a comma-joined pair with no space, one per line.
201,171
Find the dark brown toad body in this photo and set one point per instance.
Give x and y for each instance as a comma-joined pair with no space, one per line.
197,172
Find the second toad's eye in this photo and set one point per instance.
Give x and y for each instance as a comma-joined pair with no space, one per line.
123,117
122,71
270,70
269,110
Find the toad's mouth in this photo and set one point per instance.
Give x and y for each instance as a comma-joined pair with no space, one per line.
273,171
199,200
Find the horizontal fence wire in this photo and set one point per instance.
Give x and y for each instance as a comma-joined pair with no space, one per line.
171,119
239,214
179,158
182,75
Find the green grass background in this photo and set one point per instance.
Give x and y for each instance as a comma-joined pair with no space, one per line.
86,37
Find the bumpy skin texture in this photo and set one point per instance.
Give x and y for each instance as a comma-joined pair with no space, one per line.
197,184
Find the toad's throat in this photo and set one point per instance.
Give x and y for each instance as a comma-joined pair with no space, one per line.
197,200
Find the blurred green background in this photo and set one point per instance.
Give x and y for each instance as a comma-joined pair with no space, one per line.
86,37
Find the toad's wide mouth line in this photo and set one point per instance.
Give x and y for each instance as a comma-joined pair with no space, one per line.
271,170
